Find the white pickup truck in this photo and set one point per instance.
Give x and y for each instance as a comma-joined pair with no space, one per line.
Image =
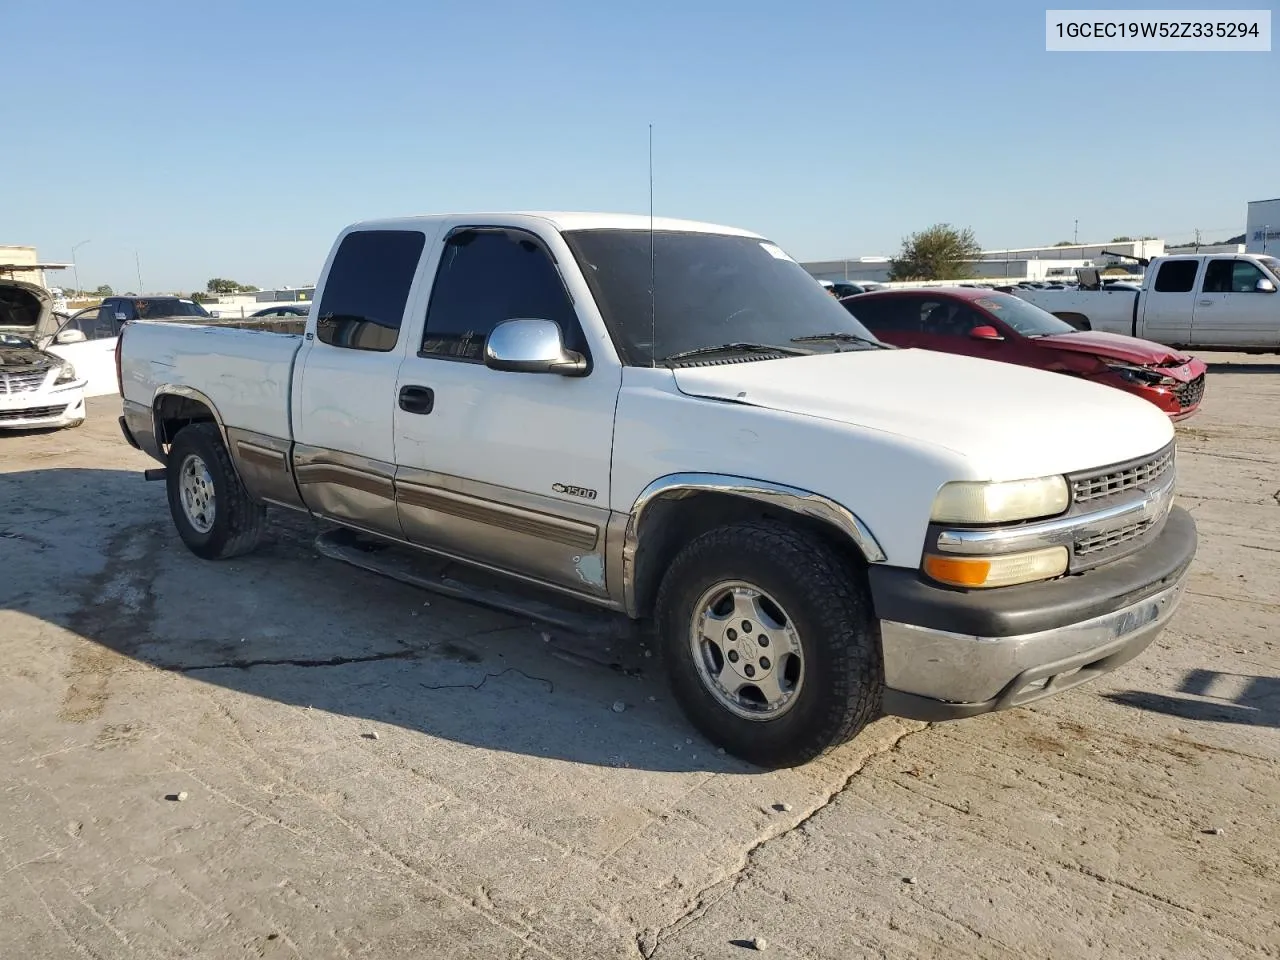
1199,301
673,422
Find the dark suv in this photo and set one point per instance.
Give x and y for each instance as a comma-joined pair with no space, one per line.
124,309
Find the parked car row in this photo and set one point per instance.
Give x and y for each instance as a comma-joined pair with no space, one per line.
817,526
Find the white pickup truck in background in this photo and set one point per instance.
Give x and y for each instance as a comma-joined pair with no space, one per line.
1193,301
672,422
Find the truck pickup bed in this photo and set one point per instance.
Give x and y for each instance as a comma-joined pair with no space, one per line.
672,423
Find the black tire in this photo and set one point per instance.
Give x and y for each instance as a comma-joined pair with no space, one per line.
238,520
827,601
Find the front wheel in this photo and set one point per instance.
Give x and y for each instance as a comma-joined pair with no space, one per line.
213,512
770,643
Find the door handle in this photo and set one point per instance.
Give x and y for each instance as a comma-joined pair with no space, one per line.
1206,303
415,399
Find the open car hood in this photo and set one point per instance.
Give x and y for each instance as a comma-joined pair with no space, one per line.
1114,346
14,296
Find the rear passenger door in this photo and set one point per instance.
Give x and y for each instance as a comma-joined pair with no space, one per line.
1168,303
1231,311
344,387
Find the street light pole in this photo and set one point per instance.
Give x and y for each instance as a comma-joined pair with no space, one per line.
74,266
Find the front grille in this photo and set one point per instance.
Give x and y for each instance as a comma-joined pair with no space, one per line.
1121,478
32,413
22,382
1098,543
1190,393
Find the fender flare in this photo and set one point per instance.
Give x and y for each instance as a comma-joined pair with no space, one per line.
188,393
788,498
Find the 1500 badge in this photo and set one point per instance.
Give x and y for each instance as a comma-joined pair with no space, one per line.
574,491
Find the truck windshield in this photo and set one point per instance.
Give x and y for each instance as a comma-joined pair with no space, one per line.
708,289
168,307
1026,318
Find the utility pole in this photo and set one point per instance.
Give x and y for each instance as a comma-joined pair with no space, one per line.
1075,234
138,264
74,266
1266,229
1197,239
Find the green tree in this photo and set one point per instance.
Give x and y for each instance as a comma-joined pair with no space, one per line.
103,291
1122,239
1064,243
941,252
219,285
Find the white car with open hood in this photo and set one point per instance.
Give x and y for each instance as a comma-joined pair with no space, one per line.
37,387
671,421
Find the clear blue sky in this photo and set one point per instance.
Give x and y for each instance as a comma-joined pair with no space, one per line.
236,143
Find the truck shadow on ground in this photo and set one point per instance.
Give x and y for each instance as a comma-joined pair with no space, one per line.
1256,704
94,551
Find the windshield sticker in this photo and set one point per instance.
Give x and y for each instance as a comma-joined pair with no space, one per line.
775,251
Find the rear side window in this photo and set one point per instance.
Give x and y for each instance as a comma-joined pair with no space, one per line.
887,315
1177,276
367,289
487,276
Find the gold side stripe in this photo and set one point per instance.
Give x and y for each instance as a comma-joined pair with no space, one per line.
572,533
345,477
264,456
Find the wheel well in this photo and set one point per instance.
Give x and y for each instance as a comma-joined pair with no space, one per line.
1077,320
673,521
173,412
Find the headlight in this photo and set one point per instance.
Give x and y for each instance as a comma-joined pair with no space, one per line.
66,374
969,501
1141,375
1000,571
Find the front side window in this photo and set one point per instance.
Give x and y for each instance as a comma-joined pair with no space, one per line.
1177,276
486,276
367,289
168,307
947,318
1245,277
90,322
668,292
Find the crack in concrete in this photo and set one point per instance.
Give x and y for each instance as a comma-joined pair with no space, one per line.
648,942
292,662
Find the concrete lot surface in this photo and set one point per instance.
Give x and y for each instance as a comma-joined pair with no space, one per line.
372,771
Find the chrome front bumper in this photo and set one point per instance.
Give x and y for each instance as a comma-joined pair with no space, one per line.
934,675
952,654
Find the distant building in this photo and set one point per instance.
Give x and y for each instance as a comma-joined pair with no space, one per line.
23,263
1262,227
1015,263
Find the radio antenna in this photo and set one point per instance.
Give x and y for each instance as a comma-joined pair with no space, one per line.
653,310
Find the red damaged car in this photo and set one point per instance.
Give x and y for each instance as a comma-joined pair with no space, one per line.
998,326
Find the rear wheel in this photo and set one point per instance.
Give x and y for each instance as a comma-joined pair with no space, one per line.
213,512
769,642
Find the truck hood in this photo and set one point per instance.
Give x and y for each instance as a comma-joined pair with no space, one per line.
26,309
1114,346
1009,422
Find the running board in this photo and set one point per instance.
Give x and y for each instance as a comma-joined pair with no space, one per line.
428,572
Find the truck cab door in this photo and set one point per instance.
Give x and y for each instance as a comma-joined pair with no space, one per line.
345,375
1168,302
506,469
1231,310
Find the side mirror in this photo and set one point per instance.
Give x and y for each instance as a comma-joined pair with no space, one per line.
985,333
527,345
1265,286
70,336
